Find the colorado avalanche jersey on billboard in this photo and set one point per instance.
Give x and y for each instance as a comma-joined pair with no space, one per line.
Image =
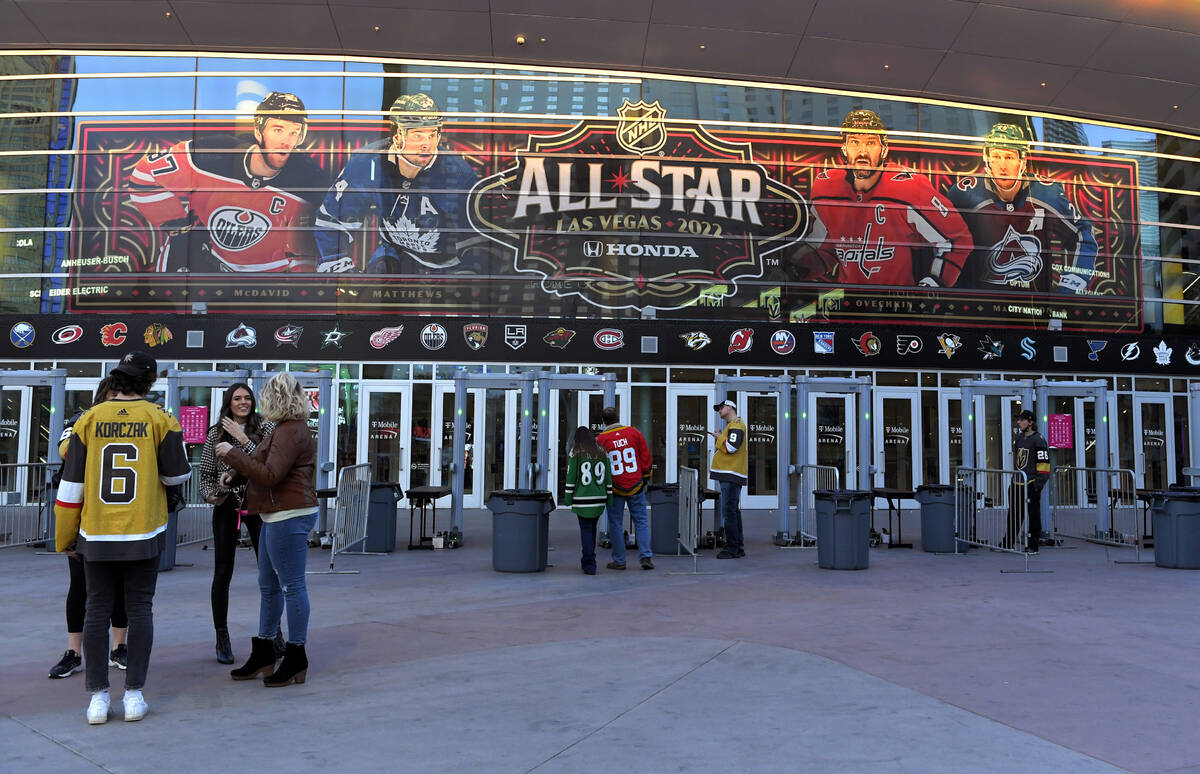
423,219
1016,242
900,232
204,190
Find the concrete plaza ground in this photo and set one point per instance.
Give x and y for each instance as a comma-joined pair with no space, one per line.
429,661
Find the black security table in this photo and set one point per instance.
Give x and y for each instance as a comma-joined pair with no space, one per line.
893,498
423,497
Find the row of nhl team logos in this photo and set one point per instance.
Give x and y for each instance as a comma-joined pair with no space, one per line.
435,336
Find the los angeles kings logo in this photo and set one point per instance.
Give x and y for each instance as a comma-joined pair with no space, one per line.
636,212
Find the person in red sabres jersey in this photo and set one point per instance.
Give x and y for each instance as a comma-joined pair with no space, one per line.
225,206
629,458
877,223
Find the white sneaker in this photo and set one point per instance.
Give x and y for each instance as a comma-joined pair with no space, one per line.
135,705
97,711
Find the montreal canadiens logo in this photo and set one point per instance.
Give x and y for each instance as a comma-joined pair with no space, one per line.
609,338
67,334
236,228
741,340
783,342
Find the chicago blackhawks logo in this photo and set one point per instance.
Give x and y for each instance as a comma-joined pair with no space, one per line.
687,211
156,334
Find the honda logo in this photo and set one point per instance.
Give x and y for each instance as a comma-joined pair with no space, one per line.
592,249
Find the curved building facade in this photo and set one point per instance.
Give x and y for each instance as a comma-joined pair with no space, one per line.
398,221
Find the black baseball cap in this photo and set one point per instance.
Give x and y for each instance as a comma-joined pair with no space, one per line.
723,404
1027,414
137,364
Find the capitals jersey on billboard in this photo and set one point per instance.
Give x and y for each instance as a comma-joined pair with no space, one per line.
1015,242
222,217
899,232
423,219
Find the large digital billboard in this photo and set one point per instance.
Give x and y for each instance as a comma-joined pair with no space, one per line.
633,216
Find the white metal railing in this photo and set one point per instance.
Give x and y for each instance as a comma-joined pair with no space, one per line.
350,512
1098,505
991,510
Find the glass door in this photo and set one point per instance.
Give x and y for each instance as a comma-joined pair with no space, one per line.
690,417
759,412
950,443
573,409
831,435
442,443
1153,441
897,442
387,434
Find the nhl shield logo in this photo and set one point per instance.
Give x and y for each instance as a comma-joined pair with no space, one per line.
641,129
476,335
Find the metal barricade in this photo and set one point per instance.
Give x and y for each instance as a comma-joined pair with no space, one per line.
812,478
689,509
194,519
1098,505
349,515
990,509
26,503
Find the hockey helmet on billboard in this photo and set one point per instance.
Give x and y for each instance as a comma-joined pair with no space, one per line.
1007,136
285,107
414,111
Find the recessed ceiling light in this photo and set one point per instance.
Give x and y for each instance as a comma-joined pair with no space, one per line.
542,39
168,14
520,39
1043,84
702,46
1174,107
376,28
887,67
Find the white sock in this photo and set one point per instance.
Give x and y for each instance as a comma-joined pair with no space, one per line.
131,694
102,694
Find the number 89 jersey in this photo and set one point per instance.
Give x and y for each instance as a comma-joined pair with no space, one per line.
120,456
629,456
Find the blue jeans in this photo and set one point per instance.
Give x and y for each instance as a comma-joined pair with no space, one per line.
731,515
641,525
282,555
587,541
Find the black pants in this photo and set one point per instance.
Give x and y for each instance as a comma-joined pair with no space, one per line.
1033,505
77,599
139,579
587,541
225,537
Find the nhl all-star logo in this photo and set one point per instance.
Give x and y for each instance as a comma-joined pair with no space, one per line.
622,213
641,129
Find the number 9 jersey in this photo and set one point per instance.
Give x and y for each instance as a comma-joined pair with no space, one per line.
112,501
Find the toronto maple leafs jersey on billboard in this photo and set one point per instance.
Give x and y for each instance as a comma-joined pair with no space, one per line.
1037,242
423,219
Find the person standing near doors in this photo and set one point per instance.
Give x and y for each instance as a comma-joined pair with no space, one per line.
728,468
1031,455
629,456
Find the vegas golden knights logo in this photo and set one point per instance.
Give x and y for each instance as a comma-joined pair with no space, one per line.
1022,458
641,129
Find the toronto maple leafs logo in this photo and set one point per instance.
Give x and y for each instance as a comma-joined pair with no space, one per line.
407,235
1014,260
991,348
1162,353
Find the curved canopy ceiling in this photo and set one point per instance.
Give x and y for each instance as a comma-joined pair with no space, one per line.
1132,61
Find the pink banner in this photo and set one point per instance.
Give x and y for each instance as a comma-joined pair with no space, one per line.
1060,431
194,421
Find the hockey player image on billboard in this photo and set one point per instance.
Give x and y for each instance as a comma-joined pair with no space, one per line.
417,196
1028,235
877,223
227,207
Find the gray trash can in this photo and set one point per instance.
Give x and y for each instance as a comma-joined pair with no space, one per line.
1176,529
937,519
664,518
843,528
520,529
381,517
166,560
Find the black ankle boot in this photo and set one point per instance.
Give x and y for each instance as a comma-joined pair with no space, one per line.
278,642
293,668
261,662
224,647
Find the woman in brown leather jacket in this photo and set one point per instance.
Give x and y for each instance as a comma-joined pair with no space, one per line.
280,479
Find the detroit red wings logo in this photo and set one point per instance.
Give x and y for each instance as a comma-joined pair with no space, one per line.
113,334
384,336
741,340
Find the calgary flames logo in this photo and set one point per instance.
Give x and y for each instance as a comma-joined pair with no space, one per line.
113,334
